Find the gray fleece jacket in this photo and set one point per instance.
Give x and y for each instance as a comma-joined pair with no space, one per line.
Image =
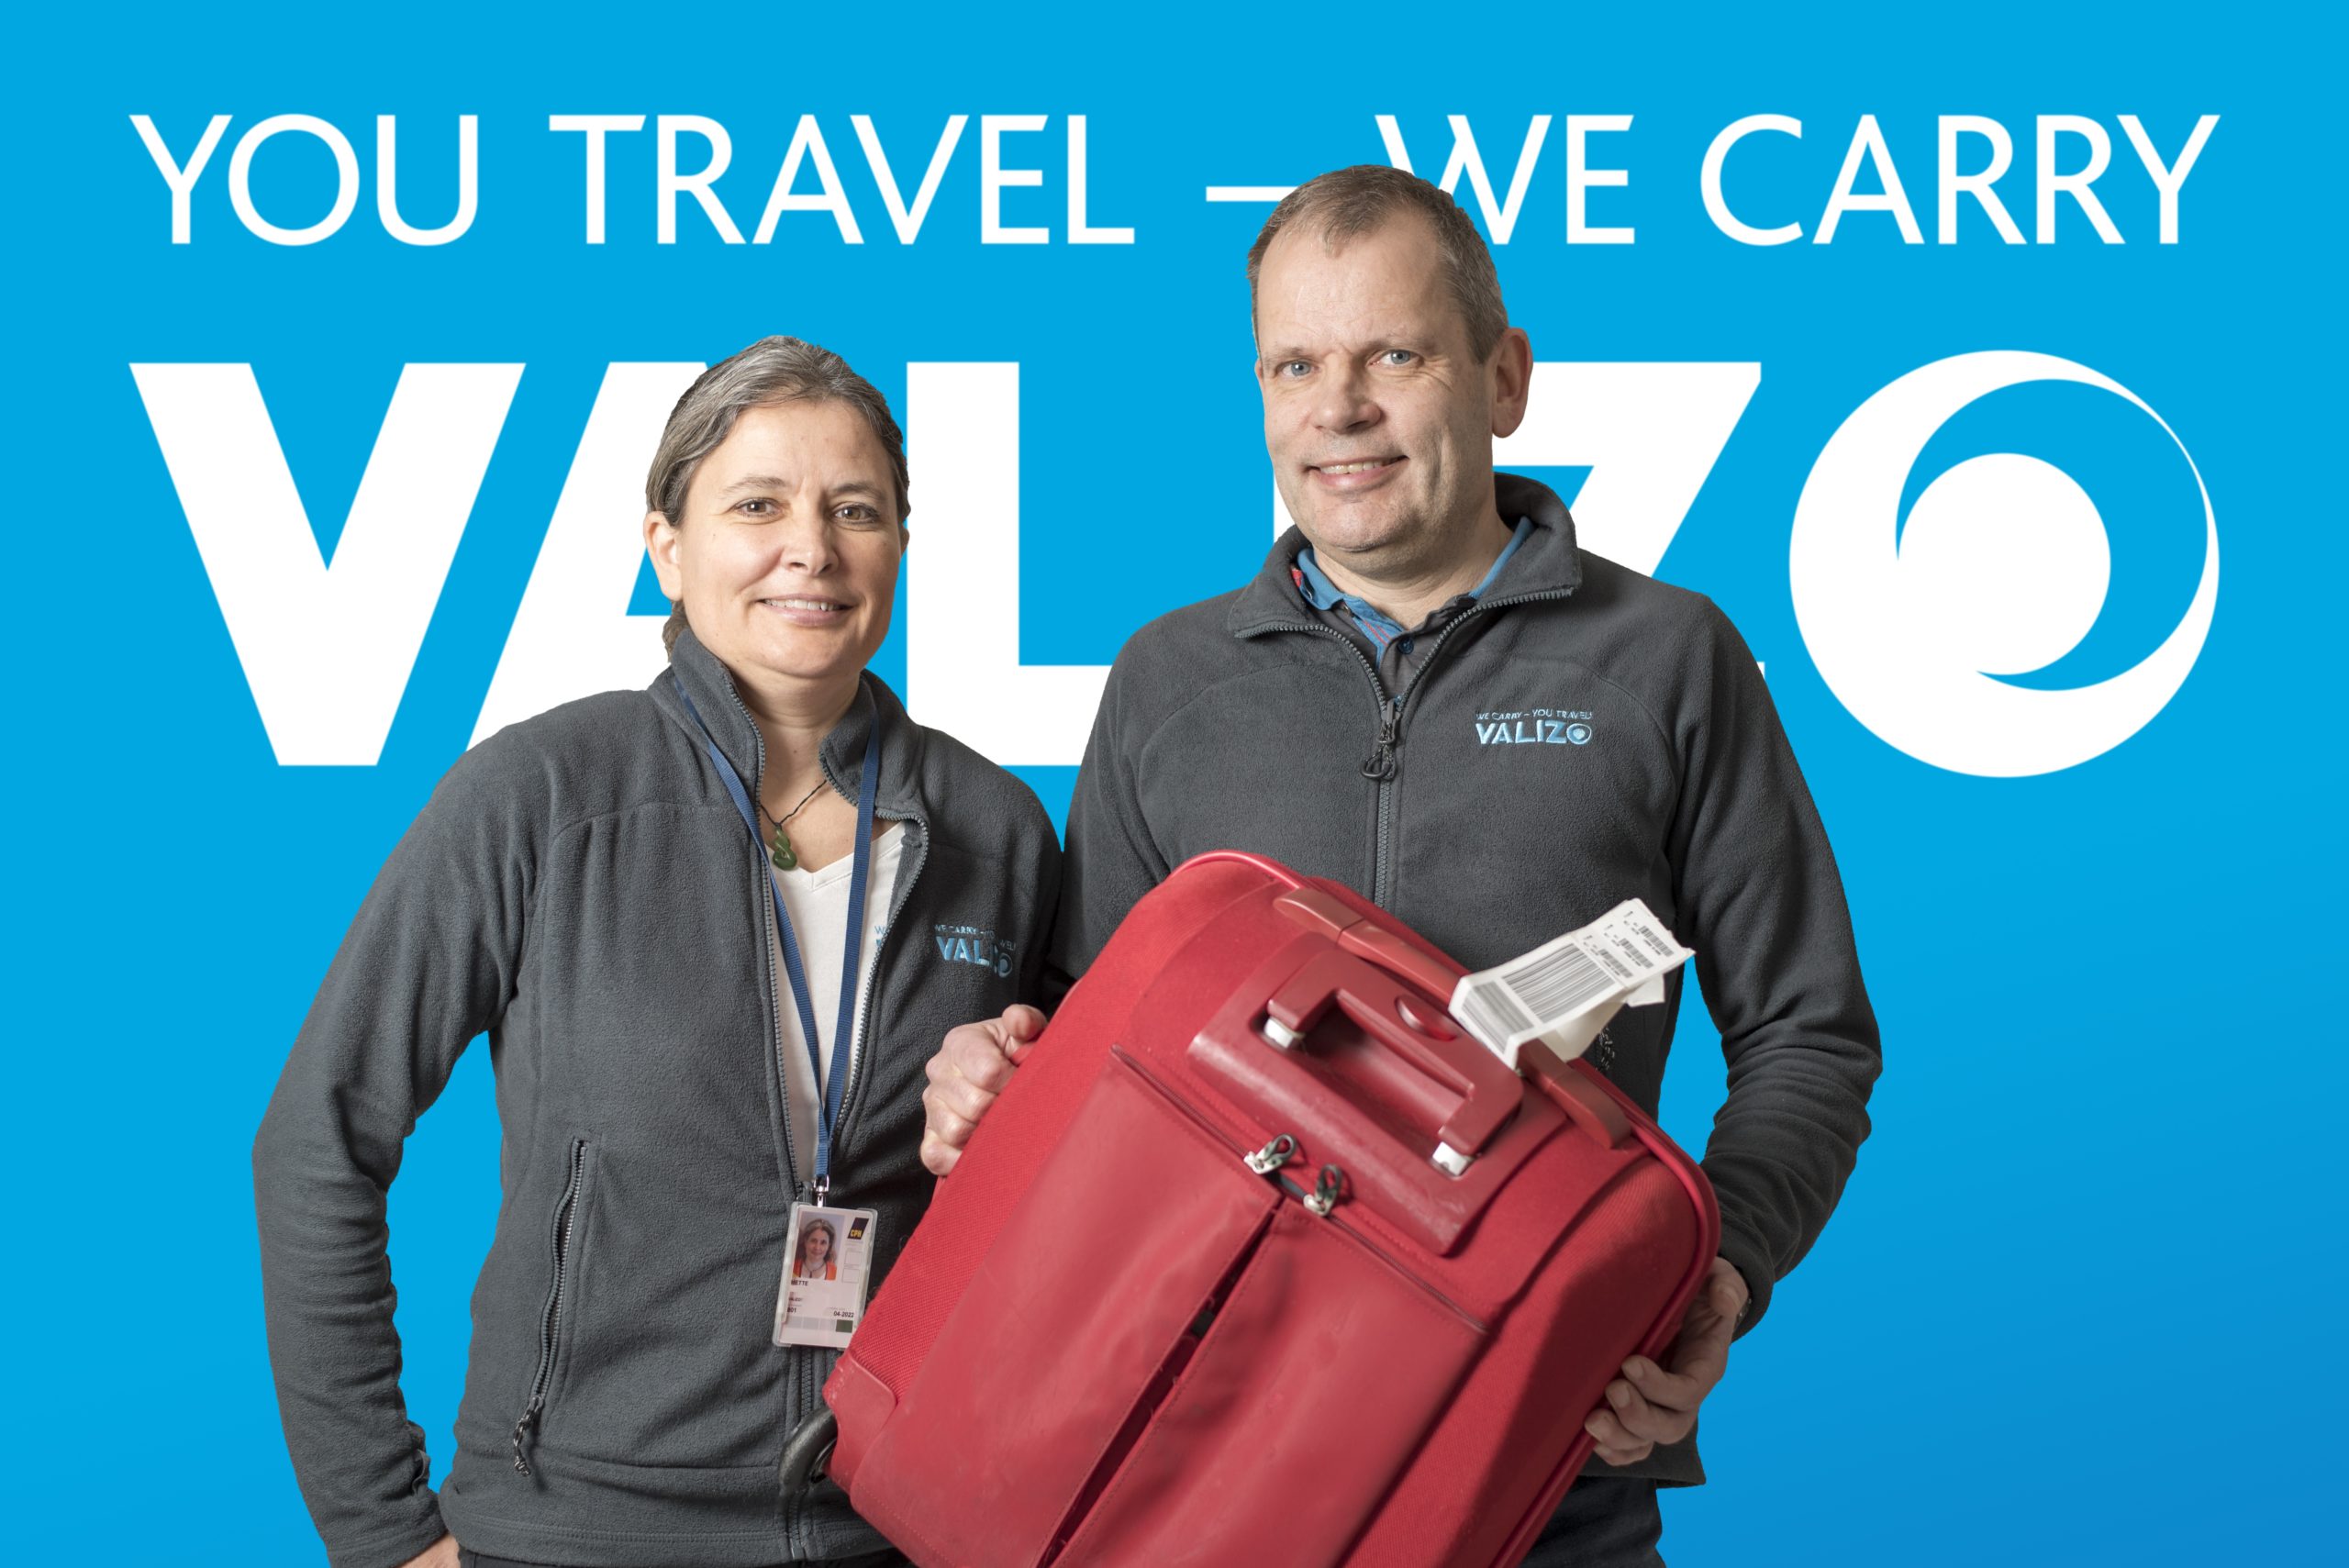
580,888
1579,735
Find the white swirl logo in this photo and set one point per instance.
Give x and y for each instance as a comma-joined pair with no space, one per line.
2001,570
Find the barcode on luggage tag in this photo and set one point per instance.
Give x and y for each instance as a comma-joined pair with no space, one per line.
1490,1014
1562,982
1563,991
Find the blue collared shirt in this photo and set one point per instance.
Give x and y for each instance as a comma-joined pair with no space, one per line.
1395,646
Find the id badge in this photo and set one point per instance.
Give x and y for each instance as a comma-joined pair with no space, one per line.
827,1271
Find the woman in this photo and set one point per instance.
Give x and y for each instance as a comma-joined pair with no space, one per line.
654,902
816,1259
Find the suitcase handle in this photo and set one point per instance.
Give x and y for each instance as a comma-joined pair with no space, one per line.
1391,951
1369,1101
1316,910
1451,1058
1393,1012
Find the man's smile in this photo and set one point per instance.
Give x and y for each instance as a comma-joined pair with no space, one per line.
1357,473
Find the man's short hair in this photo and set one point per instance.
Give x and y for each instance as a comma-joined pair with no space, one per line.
1347,204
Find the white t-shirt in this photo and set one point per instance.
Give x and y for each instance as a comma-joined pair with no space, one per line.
817,902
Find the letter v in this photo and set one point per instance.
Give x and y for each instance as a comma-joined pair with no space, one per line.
907,224
326,649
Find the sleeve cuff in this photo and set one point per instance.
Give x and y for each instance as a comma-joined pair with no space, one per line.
390,1547
1751,1260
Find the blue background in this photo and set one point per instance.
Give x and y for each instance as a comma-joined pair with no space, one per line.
2080,1300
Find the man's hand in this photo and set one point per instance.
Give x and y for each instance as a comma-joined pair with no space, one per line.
969,1071
1650,1404
441,1554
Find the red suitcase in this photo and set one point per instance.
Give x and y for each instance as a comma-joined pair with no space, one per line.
1113,1342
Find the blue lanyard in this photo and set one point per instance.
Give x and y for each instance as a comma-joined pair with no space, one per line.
828,1104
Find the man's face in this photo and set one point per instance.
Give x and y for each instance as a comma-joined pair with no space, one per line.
1378,417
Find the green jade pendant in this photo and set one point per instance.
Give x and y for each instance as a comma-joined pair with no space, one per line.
780,852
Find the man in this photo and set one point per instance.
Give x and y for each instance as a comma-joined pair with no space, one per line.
1355,711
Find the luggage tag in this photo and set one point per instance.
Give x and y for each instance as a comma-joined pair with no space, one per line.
828,1269
1563,992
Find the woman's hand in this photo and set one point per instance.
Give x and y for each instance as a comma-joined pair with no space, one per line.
969,1071
441,1554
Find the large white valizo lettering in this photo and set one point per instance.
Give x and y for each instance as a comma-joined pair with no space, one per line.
328,648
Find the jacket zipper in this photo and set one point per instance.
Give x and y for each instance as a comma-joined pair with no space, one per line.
766,897
775,1017
1379,766
849,1099
1390,738
566,1215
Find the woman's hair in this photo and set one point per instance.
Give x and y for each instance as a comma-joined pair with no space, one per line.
808,1229
770,371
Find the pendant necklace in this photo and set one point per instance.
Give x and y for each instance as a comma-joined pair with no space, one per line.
779,849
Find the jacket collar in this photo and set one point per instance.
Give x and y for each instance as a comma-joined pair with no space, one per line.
698,673
1548,562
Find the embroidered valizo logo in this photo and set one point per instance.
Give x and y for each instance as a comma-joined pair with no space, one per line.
1535,727
974,944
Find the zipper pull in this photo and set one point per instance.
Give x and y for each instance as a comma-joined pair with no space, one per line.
1380,765
1328,1187
1272,1156
521,1432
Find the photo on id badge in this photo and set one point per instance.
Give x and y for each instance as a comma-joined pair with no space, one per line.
828,1265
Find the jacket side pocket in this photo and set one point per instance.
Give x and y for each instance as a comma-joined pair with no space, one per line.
563,1244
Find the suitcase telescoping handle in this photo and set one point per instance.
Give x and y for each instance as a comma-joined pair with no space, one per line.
1589,1107
1573,1088
1426,1035
1393,1013
1429,1128
1424,1133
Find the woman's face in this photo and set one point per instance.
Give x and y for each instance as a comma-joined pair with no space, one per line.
786,558
816,1246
